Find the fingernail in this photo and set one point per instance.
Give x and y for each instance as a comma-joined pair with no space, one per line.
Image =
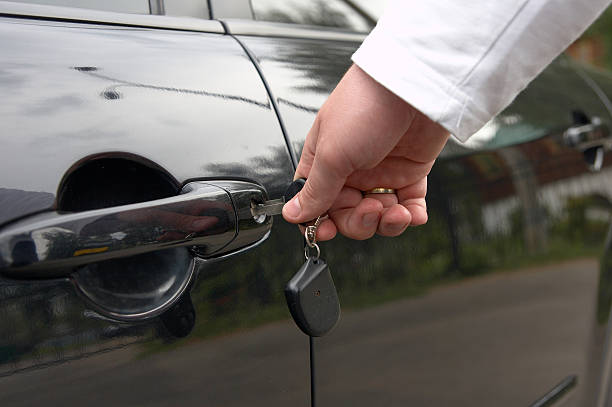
370,219
292,208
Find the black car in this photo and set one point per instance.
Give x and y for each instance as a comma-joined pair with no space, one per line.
137,136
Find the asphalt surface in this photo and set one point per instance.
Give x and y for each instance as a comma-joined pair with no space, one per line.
503,339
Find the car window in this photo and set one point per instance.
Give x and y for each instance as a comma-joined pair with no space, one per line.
177,8
328,13
122,6
186,8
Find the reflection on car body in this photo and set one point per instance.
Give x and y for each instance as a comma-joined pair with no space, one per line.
502,298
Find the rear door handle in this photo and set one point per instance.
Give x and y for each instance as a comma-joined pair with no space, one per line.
212,218
593,134
592,139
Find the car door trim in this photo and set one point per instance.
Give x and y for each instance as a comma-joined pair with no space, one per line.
70,14
283,30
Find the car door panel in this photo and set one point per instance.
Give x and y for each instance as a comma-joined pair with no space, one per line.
101,115
123,83
492,302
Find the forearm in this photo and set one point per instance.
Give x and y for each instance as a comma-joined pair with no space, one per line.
462,62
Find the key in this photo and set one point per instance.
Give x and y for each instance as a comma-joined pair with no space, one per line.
271,207
311,294
275,206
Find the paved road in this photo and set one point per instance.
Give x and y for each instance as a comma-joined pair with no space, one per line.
499,340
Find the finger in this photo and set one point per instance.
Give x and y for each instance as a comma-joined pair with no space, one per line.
322,186
394,221
392,172
418,210
388,200
360,222
311,202
308,151
347,198
416,190
413,198
326,231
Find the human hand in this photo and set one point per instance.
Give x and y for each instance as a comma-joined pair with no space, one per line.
365,137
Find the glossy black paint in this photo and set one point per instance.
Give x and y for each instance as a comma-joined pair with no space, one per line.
187,106
425,319
492,302
145,67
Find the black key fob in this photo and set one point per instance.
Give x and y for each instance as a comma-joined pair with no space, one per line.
312,298
295,187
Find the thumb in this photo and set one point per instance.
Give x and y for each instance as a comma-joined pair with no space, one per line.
319,193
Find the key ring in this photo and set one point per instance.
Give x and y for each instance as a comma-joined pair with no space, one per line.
307,250
310,234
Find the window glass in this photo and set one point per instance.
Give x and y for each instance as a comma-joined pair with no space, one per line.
328,13
122,6
186,8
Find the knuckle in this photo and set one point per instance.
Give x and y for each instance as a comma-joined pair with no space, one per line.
325,155
333,160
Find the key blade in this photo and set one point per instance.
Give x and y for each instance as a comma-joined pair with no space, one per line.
268,208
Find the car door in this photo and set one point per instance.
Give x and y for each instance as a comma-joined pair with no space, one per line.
133,272
494,300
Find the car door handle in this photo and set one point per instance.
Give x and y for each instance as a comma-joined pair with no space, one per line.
212,218
583,136
592,139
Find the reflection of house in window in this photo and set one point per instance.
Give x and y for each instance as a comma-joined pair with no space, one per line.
540,181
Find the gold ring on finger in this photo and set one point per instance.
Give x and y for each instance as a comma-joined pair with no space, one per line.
379,191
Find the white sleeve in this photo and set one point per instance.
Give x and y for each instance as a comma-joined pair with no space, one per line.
460,62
